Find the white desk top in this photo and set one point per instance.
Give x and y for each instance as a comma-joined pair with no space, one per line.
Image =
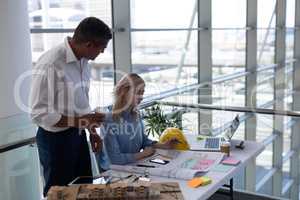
251,150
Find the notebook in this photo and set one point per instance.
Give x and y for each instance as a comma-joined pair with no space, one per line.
231,161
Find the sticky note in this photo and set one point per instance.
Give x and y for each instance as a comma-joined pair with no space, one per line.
231,161
222,168
205,180
195,182
199,181
201,137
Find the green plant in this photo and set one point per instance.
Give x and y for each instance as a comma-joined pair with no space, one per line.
157,121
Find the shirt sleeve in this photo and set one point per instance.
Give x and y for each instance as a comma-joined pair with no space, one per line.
42,94
113,149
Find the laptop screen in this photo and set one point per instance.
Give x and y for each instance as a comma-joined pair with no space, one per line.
232,128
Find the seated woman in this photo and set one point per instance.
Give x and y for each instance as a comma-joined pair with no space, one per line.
123,129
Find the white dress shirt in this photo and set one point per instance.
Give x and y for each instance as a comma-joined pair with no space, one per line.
60,86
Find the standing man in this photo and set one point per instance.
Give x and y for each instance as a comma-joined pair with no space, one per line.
60,104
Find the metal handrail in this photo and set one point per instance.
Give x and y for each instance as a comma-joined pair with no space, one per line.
192,29
287,156
62,30
265,67
291,123
287,186
167,29
121,29
70,30
18,144
230,77
269,140
52,30
234,109
265,178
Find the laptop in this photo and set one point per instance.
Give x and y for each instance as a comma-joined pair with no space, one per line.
214,143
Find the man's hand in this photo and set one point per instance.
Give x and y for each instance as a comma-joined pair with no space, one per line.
95,139
91,120
85,121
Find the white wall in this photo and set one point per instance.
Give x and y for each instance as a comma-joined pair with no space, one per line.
15,53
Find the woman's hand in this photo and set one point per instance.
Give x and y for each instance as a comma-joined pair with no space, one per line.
148,151
170,144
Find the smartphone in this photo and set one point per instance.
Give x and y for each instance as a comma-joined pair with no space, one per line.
159,161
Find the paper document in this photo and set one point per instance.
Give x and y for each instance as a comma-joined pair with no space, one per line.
180,164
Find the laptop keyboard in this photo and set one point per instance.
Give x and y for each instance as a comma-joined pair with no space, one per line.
212,143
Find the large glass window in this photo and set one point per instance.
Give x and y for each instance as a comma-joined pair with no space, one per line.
165,59
228,57
162,14
160,58
62,14
66,13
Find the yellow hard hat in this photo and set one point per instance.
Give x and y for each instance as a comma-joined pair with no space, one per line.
170,133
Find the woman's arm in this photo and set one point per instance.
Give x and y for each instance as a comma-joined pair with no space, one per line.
119,158
148,151
167,145
161,146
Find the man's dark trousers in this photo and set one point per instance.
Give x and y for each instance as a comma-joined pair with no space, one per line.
63,155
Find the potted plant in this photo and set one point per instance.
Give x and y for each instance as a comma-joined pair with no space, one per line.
157,121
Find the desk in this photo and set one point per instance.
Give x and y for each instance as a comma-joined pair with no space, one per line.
251,150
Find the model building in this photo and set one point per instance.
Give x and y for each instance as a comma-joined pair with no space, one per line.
139,190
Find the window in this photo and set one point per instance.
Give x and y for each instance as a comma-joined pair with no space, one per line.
60,15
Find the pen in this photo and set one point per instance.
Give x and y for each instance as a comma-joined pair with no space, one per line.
141,165
135,179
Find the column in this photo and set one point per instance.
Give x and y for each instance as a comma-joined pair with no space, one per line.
251,84
121,37
19,169
205,64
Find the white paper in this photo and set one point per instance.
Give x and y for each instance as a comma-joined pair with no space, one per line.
182,164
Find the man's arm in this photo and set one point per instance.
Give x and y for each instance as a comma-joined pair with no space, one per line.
85,121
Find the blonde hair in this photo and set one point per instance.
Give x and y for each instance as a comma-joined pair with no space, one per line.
124,92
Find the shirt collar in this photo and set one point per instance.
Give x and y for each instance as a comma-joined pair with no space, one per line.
70,56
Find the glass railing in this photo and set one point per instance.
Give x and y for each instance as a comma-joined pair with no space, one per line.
19,163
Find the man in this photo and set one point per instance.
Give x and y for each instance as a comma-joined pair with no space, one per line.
60,104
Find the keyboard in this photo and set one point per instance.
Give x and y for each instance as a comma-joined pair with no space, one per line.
212,143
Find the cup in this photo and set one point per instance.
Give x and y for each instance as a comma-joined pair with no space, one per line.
225,148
